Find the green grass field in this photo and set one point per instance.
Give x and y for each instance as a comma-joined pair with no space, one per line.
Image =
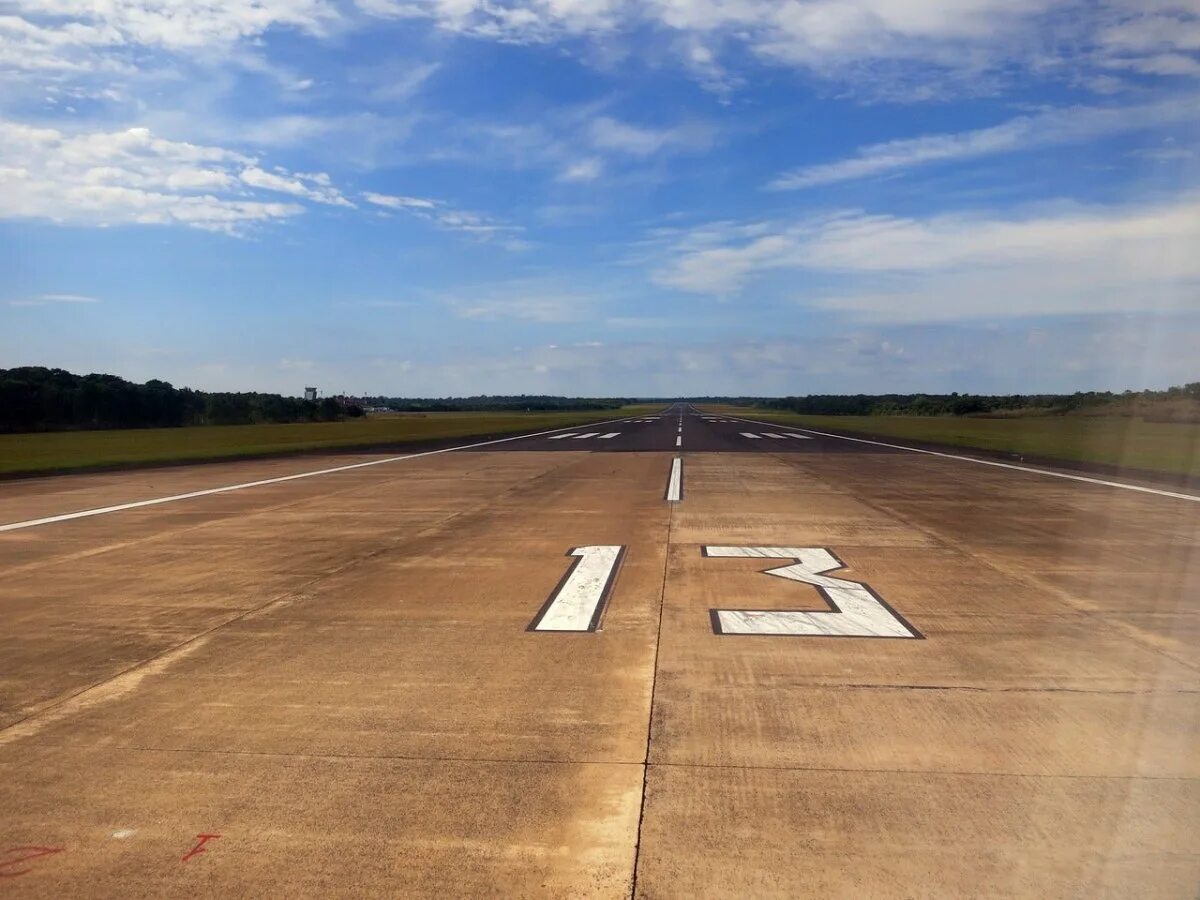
77,450
1122,441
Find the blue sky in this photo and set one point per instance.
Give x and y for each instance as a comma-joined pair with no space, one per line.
605,197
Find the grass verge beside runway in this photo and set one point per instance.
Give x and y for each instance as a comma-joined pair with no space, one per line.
66,451
1126,442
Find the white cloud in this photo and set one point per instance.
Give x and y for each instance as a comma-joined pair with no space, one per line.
134,176
1052,127
394,202
588,169
904,48
612,135
850,39
319,190
1078,260
47,35
478,225
49,299
528,307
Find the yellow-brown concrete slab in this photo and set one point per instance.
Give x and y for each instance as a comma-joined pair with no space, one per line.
336,675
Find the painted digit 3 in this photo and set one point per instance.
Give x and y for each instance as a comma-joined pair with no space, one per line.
855,610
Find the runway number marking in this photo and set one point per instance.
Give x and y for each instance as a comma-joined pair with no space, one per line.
856,610
577,604
13,857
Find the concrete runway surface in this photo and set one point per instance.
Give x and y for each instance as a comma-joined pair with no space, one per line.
507,671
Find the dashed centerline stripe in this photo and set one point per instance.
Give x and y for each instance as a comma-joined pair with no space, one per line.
675,481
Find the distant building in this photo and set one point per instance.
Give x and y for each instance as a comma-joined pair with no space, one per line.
310,393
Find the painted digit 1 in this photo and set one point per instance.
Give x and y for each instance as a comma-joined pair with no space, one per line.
579,600
856,610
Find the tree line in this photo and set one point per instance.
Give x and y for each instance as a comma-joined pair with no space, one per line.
35,398
956,404
516,403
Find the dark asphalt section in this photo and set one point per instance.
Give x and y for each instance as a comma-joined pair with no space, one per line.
702,432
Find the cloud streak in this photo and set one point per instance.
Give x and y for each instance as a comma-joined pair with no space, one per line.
1086,259
1071,125
52,299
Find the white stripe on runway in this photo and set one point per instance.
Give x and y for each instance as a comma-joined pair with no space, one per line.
559,437
799,437
999,465
679,441
675,483
609,436
580,437
776,436
747,434
137,504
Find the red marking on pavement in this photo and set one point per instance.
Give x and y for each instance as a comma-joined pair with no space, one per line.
26,854
199,848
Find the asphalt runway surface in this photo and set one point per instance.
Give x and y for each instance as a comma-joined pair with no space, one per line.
680,656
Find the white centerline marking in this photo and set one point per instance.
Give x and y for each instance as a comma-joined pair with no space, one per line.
578,603
559,437
747,434
675,482
609,436
679,440
1000,465
590,434
137,504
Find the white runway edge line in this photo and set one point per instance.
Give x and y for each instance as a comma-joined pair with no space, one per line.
104,510
675,482
988,462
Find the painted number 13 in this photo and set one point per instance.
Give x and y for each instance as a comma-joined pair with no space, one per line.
578,602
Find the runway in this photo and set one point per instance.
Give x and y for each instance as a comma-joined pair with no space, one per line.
683,655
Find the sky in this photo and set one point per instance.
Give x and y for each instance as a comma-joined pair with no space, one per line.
603,197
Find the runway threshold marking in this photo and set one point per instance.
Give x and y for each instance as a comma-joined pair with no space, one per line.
856,610
577,603
675,481
999,465
207,492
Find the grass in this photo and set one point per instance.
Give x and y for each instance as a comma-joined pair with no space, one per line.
78,450
1128,442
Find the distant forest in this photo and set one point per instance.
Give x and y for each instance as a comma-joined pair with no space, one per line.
1173,404
34,398
518,403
